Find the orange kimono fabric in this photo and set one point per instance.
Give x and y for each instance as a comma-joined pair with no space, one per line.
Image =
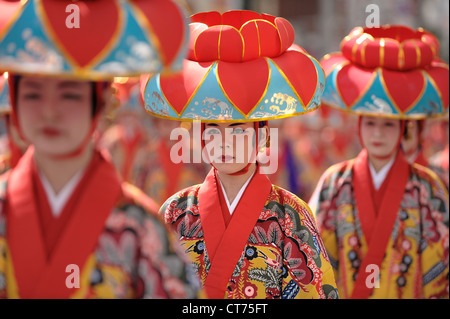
396,248
268,248
108,231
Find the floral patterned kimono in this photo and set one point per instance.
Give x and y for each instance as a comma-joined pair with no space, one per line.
399,232
107,242
268,248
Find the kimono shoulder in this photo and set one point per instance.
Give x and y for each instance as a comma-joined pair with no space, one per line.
333,179
287,202
430,177
178,203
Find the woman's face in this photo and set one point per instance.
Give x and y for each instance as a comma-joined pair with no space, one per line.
230,145
380,135
55,115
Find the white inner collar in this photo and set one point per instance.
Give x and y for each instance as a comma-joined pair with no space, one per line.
58,201
236,200
379,177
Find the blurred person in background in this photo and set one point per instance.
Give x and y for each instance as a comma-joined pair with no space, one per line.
69,227
384,221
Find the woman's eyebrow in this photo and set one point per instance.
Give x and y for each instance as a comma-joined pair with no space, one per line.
236,124
31,84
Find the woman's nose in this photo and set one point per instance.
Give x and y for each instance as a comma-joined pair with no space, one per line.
49,108
378,131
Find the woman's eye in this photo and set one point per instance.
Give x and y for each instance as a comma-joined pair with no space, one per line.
212,131
238,131
31,96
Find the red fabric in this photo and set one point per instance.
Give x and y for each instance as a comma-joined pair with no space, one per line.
445,158
225,244
37,275
223,205
371,223
16,153
130,147
421,159
171,170
377,195
381,46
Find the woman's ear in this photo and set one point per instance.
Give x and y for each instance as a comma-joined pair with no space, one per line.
264,138
108,100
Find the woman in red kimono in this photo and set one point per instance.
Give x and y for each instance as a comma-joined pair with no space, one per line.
246,238
384,221
68,227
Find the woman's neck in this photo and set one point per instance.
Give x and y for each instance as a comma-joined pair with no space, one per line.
60,171
233,183
378,163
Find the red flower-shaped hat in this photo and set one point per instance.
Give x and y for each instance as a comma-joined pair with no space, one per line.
390,71
241,66
92,39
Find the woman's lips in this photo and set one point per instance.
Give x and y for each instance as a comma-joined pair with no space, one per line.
377,144
226,158
51,132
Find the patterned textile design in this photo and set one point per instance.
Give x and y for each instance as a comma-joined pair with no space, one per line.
416,260
49,37
283,258
390,71
133,258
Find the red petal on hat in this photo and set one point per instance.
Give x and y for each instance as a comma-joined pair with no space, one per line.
286,33
440,76
237,18
179,88
331,60
195,29
244,83
391,54
301,72
206,47
9,10
168,27
231,46
373,54
260,39
79,43
209,18
403,87
349,89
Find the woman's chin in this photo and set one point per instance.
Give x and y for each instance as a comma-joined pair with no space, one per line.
229,168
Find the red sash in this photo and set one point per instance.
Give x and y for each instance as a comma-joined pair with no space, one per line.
38,276
371,223
225,244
